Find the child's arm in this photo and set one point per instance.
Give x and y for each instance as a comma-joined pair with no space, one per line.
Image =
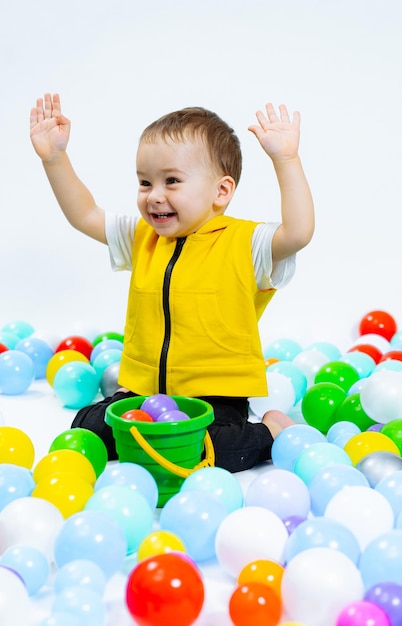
280,140
50,132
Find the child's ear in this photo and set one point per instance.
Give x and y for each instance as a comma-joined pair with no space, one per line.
225,189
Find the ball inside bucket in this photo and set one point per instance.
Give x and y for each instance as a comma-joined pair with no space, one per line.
180,443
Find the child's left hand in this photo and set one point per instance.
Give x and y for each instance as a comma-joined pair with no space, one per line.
278,137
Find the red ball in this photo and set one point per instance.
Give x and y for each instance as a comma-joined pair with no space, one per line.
367,348
3,348
255,603
75,342
136,415
378,323
396,355
165,590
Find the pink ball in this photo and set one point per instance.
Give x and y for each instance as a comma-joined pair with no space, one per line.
362,613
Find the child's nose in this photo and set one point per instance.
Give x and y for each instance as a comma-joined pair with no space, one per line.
157,194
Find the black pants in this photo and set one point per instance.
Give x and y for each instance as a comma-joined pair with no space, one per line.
238,443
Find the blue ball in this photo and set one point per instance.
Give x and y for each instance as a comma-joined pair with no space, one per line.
325,347
80,572
283,349
104,359
381,559
17,372
106,344
57,618
319,455
19,327
295,375
9,339
29,563
342,428
363,363
130,475
15,482
329,480
39,351
76,384
195,517
84,604
219,482
291,442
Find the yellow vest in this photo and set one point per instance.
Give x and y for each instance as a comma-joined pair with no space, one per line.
193,311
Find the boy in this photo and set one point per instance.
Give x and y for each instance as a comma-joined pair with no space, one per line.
200,279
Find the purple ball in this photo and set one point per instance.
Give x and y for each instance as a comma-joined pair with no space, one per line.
388,596
157,404
172,416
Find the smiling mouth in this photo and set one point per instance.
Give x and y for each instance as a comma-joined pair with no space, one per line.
162,216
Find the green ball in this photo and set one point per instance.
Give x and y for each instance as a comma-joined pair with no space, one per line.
393,430
351,410
87,443
339,373
320,403
108,335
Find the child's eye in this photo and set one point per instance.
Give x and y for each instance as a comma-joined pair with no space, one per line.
171,180
144,183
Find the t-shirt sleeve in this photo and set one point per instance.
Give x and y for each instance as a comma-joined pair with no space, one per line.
270,275
119,231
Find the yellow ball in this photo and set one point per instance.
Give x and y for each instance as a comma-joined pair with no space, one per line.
65,460
159,542
365,443
62,358
67,491
16,447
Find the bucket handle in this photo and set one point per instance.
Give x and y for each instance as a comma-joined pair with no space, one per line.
183,472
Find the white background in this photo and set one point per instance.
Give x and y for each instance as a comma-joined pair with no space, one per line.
120,64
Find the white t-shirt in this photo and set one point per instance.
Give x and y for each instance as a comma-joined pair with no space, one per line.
120,234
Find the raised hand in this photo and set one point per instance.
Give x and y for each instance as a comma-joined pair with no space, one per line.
279,137
50,130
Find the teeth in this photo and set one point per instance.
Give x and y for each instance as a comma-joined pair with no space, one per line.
162,214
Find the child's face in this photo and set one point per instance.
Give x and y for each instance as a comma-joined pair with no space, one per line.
178,188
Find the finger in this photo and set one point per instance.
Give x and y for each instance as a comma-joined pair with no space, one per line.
39,110
296,118
48,106
284,113
56,107
264,122
271,113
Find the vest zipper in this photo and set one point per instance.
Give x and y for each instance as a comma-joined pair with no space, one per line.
166,312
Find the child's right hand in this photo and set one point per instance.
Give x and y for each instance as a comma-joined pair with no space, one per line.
50,130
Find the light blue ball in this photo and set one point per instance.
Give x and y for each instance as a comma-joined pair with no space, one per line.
331,479
321,532
84,604
104,359
18,327
391,487
106,344
280,491
80,572
39,351
363,363
128,508
283,349
15,482
381,559
319,455
17,372
195,517
58,618
9,339
219,482
288,445
130,475
341,428
294,374
327,348
76,384
29,563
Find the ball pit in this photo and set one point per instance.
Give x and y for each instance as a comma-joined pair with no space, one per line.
316,535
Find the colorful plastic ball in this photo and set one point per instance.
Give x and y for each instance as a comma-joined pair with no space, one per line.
325,347
263,571
387,596
390,485
172,416
165,590
76,384
94,536
86,442
281,396
362,613
32,522
283,349
393,430
56,618
109,335
389,364
339,373
342,428
310,361
83,603
317,456
380,561
38,351
381,396
396,341
106,344
81,572
3,348
62,358
248,534
16,447
361,362
280,491
219,482
15,482
295,375
395,355
378,466
75,342
317,584
254,603
14,600
331,479
159,542
157,404
128,508
104,359
9,339
66,490
30,564
291,442
132,475
362,444
378,322
320,403
136,415
373,339
292,522
65,460
351,410
17,372
321,532
365,511
109,382
21,328
195,517
366,348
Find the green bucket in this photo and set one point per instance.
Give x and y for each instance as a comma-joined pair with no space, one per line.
170,451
